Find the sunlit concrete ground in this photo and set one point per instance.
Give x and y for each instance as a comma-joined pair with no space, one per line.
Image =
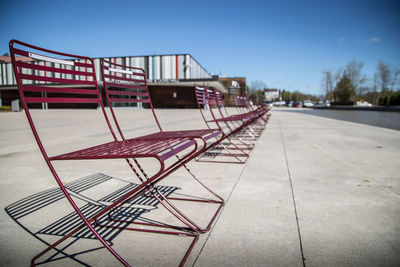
315,191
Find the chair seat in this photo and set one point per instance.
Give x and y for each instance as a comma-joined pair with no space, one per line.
201,133
144,146
239,117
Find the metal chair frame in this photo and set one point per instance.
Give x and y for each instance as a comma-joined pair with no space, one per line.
243,106
74,81
127,84
207,97
247,133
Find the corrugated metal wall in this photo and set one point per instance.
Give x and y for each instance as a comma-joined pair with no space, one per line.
157,67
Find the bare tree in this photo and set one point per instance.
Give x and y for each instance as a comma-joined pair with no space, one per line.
395,81
387,80
353,72
327,83
257,85
256,90
384,77
375,90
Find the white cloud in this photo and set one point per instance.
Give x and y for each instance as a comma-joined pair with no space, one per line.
341,40
374,40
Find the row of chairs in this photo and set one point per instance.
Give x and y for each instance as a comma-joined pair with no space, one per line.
240,130
61,78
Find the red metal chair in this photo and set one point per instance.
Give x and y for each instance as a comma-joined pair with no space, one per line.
233,146
59,78
243,106
125,85
261,107
250,118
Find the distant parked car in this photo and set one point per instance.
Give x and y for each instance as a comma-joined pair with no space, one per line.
363,104
268,103
319,104
322,104
297,105
279,103
307,103
289,103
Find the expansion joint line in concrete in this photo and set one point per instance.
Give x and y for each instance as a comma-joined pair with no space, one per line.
216,220
293,197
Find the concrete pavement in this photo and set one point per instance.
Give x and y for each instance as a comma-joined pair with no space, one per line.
314,192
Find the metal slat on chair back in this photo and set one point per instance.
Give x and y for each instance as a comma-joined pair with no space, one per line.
60,79
240,101
124,84
237,100
201,96
220,99
211,97
53,77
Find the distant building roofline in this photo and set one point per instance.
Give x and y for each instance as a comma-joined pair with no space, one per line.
270,90
7,59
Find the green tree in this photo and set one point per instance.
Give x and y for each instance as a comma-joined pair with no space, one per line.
344,89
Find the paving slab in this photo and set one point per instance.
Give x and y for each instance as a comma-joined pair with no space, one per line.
346,186
315,192
258,226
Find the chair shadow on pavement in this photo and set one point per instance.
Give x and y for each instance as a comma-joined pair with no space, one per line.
30,214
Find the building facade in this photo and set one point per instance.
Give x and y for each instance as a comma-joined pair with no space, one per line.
170,78
235,86
271,94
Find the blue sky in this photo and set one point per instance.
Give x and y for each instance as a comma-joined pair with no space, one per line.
285,44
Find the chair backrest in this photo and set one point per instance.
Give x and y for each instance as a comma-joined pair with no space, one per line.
201,96
202,102
246,100
240,101
241,104
53,77
211,101
220,103
220,99
125,85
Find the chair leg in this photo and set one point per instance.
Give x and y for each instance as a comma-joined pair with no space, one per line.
189,231
220,201
88,223
154,192
166,202
237,156
195,236
150,189
241,138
